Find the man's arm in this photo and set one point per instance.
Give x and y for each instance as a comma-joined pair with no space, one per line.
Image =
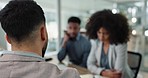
62,53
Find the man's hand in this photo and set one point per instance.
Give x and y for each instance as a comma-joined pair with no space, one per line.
111,73
66,38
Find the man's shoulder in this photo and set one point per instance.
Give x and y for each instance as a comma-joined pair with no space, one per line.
48,64
69,73
66,73
84,38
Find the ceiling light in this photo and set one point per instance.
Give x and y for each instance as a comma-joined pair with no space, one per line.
114,11
146,33
134,20
134,32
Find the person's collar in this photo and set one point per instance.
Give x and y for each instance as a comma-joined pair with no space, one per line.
20,53
78,36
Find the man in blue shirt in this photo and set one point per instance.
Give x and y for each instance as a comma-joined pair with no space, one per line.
74,44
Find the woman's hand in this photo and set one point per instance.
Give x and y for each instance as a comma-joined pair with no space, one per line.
111,73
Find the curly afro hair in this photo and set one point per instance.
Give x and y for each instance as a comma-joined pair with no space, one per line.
116,25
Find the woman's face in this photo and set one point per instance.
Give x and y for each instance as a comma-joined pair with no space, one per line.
103,34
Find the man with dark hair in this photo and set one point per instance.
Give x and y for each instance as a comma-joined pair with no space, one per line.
24,24
74,44
74,20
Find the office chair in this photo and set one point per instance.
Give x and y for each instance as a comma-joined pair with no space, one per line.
134,61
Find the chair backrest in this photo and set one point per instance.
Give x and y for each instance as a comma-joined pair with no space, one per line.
134,61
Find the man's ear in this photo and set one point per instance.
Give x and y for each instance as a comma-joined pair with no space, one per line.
43,33
8,39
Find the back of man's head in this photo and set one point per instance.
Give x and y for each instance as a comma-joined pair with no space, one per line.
20,18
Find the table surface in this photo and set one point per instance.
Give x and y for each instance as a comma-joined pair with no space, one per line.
84,73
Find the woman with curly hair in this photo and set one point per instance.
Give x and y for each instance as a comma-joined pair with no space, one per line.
108,56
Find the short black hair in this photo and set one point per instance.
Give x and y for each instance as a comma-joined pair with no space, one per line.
74,19
19,18
116,25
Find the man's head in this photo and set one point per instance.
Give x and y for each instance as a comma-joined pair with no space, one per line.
24,24
73,26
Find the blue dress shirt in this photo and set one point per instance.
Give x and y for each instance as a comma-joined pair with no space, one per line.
77,51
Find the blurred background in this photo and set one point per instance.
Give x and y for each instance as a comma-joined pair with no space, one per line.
58,11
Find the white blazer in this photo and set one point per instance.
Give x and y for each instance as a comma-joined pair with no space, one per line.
117,57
